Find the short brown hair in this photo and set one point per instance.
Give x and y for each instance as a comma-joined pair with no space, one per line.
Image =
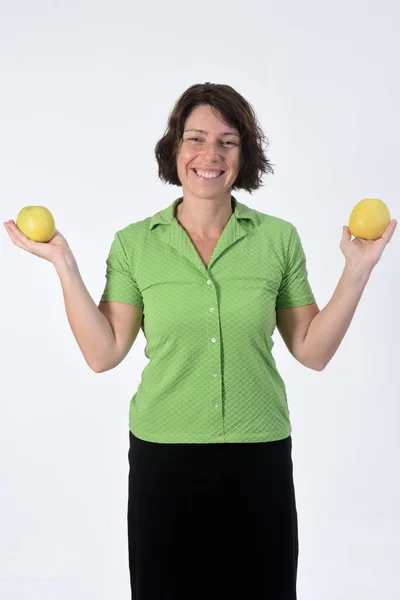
237,112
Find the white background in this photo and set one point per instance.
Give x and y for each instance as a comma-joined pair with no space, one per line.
86,89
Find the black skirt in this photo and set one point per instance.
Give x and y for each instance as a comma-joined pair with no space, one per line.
212,521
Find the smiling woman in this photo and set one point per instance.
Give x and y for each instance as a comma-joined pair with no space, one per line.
208,157
207,168
209,423
207,279
241,130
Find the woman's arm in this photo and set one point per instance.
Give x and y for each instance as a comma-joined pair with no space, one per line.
313,336
91,329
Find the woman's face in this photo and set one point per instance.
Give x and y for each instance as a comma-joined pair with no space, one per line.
208,159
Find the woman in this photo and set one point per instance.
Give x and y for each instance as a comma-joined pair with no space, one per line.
211,510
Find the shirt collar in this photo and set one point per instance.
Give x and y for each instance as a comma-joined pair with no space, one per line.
167,215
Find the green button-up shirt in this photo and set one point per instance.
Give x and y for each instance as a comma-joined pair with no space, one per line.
211,376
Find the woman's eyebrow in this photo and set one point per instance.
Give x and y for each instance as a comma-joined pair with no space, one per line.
206,132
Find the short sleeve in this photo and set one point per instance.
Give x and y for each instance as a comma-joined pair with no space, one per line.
295,289
120,283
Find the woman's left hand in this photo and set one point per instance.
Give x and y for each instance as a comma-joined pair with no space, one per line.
364,254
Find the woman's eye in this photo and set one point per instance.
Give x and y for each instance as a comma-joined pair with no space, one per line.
224,142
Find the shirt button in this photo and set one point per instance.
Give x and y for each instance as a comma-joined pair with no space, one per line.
214,374
211,310
208,281
218,434
213,340
215,403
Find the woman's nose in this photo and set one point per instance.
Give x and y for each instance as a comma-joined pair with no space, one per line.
211,150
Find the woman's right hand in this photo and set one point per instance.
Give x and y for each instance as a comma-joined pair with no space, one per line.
53,250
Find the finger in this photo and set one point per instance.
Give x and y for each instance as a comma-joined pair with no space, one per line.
20,235
346,235
13,238
389,231
19,238
10,233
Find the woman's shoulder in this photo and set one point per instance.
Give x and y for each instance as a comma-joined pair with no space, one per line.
269,222
134,230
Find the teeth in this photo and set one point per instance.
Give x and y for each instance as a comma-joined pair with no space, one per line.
207,175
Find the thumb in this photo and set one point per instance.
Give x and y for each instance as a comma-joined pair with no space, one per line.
346,235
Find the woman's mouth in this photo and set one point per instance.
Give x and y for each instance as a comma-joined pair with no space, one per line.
208,174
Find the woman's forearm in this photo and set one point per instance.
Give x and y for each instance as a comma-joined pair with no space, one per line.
90,327
329,326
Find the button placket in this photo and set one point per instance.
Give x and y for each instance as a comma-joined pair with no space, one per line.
216,416
211,310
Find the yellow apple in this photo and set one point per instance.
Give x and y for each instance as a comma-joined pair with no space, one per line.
37,223
369,219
